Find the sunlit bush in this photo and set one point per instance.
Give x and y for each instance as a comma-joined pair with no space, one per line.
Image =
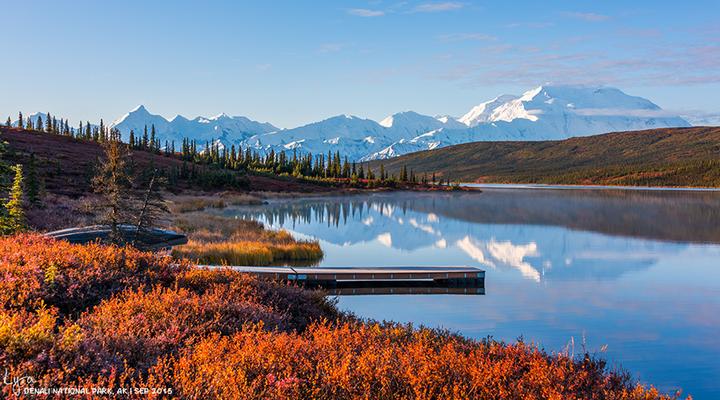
35,269
85,316
389,361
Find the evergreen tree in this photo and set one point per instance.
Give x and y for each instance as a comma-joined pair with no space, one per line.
8,123
114,183
32,185
144,143
132,139
39,124
14,207
48,123
20,120
152,138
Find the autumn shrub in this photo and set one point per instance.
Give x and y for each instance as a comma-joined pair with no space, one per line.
299,307
101,316
383,361
35,269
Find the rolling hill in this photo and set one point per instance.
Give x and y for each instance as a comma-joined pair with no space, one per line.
656,157
67,165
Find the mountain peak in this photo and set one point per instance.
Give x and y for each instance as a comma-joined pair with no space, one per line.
140,109
482,112
219,116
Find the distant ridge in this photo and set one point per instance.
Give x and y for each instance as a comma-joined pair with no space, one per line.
657,157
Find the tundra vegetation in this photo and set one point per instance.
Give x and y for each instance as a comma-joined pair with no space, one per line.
111,316
103,316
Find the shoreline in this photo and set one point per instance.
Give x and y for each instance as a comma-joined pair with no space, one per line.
552,186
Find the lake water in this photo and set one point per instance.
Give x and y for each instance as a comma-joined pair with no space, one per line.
633,273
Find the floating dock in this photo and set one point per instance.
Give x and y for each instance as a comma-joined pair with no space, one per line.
382,280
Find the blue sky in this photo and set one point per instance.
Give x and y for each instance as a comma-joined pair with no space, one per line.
292,62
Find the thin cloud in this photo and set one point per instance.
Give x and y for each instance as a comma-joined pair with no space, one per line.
504,64
331,47
700,118
533,25
438,7
364,12
601,112
587,16
458,37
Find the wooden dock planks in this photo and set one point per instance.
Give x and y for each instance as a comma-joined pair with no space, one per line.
385,280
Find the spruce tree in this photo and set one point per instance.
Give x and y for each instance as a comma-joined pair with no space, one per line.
14,207
8,123
152,138
39,124
20,120
32,185
114,184
144,143
48,123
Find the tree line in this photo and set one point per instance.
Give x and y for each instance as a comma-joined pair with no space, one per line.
330,166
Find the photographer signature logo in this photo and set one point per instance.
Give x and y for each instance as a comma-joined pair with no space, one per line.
17,383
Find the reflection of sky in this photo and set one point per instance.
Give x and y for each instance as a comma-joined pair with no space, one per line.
656,305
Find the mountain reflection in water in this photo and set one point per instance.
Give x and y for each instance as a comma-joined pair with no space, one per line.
540,234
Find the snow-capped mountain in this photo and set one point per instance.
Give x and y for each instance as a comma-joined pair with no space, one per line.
483,112
545,113
222,127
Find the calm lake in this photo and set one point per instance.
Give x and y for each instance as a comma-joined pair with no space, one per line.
633,275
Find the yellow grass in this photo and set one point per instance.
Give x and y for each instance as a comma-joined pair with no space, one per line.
189,203
248,253
218,240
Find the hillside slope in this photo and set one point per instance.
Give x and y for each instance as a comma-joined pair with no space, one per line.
67,165
656,157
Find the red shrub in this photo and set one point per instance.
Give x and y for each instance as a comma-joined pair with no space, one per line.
86,316
35,269
356,360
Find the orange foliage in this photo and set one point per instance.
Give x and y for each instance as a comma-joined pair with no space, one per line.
35,269
85,316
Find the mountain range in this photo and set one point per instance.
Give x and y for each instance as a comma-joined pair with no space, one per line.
550,112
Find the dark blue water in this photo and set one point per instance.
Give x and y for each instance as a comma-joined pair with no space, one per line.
634,276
